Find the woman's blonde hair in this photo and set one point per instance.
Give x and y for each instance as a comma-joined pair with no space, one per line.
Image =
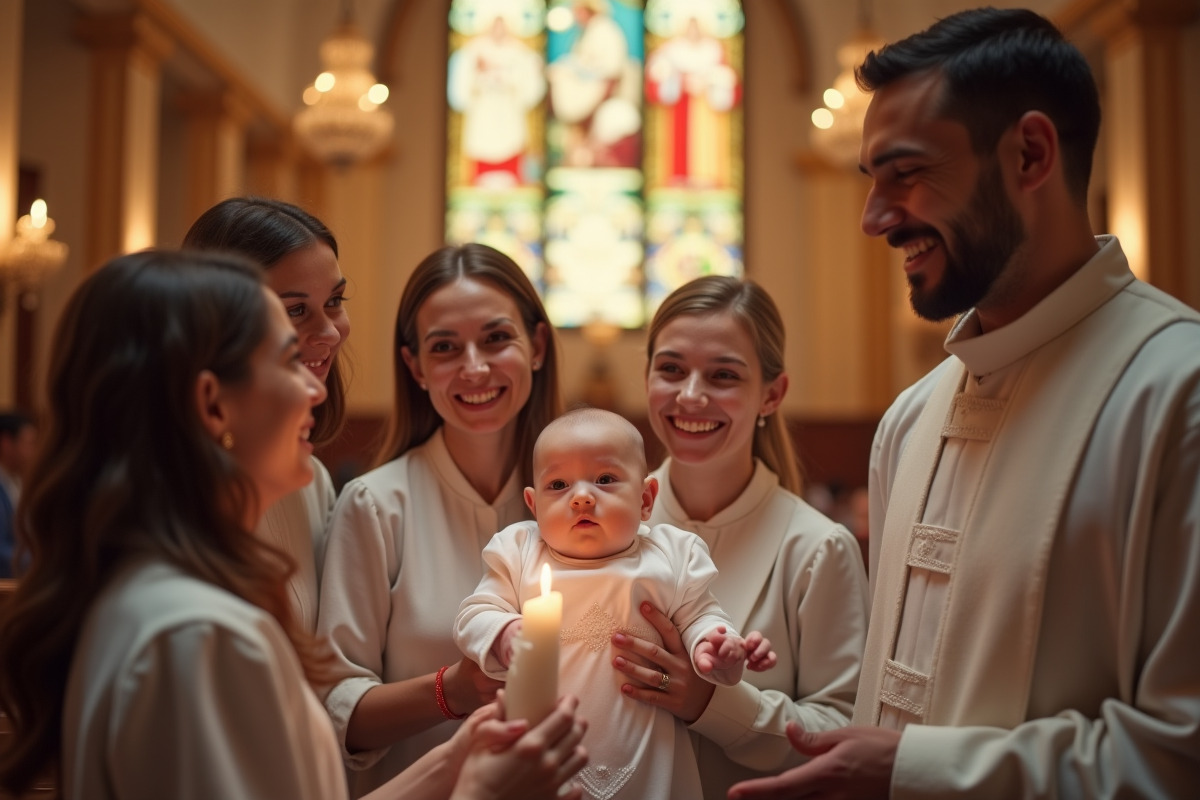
756,312
413,419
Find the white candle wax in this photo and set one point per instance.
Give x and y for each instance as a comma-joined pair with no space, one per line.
532,687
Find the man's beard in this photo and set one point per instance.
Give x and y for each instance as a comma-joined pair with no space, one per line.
985,236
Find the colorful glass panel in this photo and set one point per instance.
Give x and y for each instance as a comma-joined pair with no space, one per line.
599,143
693,164
495,159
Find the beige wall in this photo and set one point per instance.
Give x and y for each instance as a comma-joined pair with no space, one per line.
853,342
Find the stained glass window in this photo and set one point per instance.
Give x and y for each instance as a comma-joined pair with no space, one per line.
598,143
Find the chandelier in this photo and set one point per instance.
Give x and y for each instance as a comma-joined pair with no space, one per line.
342,121
837,131
30,256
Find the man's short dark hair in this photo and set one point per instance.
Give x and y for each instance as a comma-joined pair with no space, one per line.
999,64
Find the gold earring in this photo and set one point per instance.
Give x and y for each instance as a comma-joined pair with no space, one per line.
227,440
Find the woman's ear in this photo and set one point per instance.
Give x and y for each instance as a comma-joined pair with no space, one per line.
209,404
414,366
773,395
540,339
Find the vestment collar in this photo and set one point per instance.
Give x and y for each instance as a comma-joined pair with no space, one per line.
1093,284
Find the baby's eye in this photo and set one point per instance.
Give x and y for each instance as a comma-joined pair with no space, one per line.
605,479
556,486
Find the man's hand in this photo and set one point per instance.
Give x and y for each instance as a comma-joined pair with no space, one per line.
845,763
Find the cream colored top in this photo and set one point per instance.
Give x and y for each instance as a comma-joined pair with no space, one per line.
297,524
181,690
403,551
790,572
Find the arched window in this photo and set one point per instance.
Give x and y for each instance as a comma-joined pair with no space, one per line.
598,143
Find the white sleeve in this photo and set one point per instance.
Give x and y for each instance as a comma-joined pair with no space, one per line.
205,712
495,602
362,560
827,609
695,611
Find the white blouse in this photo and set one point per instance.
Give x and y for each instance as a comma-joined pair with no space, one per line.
297,525
403,551
790,572
179,689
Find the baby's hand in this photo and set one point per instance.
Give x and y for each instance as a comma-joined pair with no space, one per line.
759,655
502,648
721,654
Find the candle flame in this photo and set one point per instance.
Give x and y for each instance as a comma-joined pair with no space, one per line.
37,213
545,579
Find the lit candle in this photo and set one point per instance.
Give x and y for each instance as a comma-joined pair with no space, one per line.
532,687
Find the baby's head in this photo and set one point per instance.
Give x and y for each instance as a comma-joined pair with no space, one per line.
591,490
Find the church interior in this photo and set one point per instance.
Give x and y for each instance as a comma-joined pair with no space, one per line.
130,117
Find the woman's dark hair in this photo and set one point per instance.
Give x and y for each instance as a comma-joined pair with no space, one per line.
413,418
998,65
126,468
266,230
753,309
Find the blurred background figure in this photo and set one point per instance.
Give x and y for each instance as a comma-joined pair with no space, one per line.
18,438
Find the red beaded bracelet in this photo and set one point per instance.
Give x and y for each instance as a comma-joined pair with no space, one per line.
440,694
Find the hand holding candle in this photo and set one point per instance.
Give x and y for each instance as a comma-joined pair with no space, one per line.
532,687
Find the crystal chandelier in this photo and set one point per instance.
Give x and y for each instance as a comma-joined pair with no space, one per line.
30,256
342,121
837,132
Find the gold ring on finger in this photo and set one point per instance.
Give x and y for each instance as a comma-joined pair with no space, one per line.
664,683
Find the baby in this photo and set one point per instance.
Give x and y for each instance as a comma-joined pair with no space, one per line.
591,495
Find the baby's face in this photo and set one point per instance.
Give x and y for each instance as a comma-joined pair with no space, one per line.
590,491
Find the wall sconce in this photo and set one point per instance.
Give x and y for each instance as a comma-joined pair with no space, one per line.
30,256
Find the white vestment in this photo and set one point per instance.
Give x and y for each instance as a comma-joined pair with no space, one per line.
1041,584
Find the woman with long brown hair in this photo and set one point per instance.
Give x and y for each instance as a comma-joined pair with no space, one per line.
476,381
300,256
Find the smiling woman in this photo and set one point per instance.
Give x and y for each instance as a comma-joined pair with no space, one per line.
300,257
476,381
149,617
715,382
